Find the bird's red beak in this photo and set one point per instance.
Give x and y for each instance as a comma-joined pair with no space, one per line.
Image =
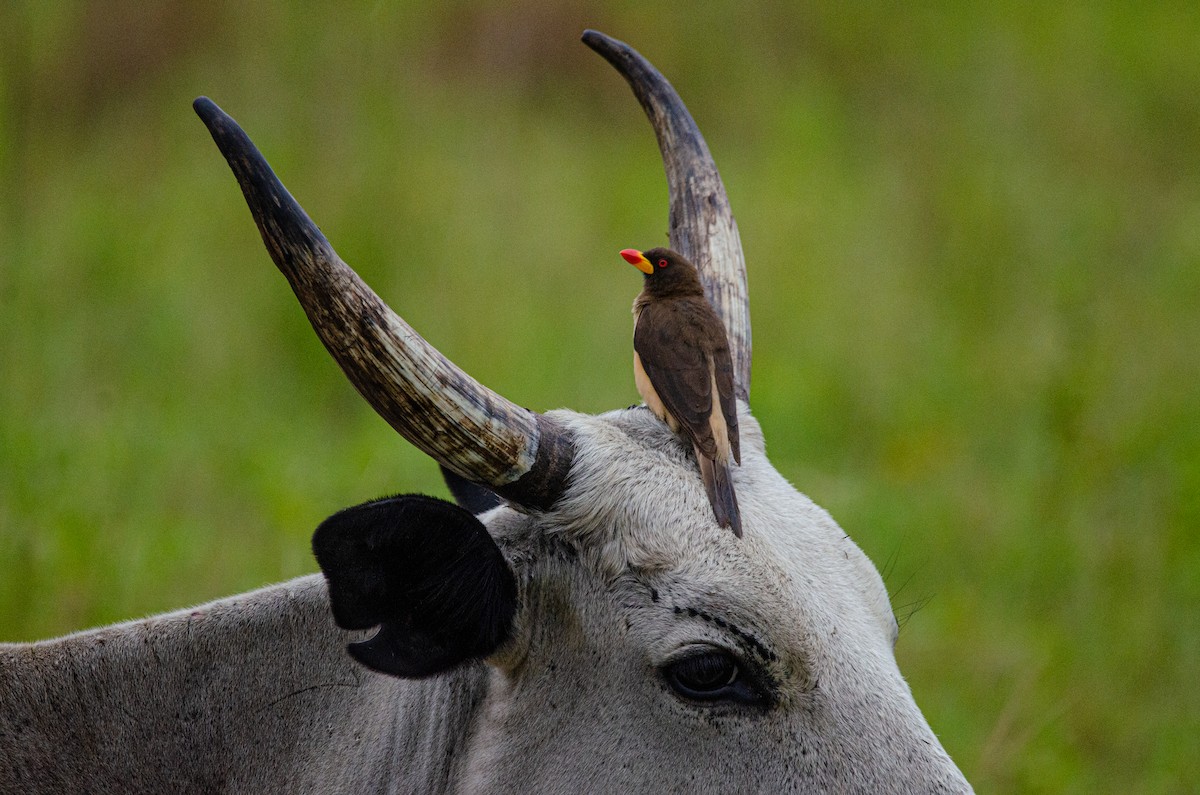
637,260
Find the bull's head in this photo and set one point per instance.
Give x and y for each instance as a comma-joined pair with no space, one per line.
617,638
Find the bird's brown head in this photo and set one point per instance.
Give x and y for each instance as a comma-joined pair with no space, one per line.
668,273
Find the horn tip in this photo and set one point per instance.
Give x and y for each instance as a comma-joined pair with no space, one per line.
205,108
602,43
215,119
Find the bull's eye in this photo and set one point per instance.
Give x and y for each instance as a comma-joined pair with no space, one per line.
712,675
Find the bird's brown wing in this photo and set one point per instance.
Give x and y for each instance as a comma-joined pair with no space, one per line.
680,371
723,371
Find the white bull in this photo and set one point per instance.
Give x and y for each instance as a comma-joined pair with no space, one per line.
595,632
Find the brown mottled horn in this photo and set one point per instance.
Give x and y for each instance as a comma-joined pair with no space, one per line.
520,454
701,224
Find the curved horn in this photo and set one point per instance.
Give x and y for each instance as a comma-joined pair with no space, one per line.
701,224
524,456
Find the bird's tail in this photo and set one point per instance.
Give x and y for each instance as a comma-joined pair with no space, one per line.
718,482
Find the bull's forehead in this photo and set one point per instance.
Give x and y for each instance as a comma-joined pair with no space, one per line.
636,503
653,576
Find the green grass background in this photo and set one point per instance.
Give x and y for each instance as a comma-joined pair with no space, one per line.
974,249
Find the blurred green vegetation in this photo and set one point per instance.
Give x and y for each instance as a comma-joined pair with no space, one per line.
974,247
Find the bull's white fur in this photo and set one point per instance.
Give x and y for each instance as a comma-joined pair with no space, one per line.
256,693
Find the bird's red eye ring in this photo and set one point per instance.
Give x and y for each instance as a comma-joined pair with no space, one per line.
662,263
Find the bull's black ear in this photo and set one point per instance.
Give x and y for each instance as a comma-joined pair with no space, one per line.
425,571
468,494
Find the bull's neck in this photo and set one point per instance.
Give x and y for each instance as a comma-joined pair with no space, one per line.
251,693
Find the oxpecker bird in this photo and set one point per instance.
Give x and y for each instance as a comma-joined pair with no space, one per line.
683,370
